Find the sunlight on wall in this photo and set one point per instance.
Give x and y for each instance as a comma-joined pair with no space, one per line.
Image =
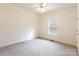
28,35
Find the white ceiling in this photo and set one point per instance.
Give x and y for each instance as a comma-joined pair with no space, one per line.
51,6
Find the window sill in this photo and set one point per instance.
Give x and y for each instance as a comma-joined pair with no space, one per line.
53,33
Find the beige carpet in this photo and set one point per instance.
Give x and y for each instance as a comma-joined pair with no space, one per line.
38,47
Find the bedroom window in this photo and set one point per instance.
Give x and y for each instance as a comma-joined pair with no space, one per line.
53,26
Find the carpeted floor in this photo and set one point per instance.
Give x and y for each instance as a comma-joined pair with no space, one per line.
38,47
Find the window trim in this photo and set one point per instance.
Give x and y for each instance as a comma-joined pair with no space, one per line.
55,19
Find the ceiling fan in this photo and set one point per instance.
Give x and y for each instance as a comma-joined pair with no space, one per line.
41,7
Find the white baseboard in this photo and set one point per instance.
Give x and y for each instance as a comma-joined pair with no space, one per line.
15,42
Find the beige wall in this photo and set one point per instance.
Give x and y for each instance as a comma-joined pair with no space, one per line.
78,27
67,25
16,24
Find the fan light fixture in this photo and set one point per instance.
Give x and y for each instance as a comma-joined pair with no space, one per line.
42,7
